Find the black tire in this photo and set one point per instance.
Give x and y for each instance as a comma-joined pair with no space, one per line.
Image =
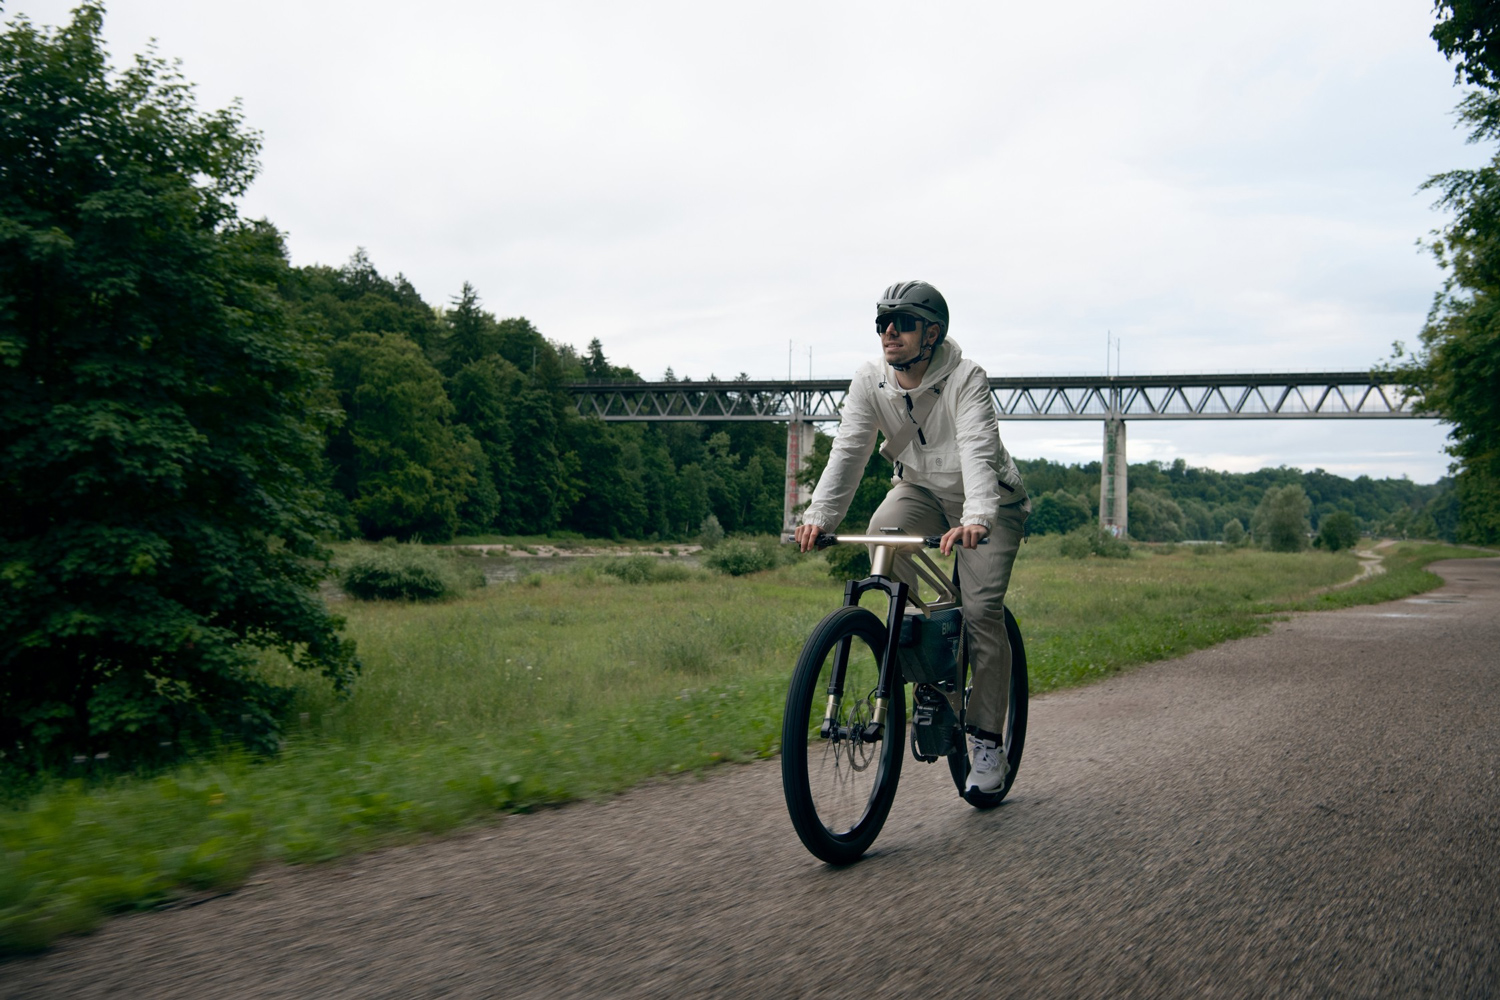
839,790
1015,725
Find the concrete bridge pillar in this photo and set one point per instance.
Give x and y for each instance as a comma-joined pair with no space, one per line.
799,449
1113,487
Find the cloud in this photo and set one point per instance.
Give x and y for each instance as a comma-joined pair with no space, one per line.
1225,187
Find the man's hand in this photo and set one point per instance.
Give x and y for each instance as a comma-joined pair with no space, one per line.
967,535
807,536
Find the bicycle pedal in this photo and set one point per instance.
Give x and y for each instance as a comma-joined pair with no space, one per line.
916,750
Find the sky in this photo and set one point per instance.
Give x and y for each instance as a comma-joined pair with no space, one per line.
1223,187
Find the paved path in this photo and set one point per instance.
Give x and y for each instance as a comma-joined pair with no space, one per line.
1311,813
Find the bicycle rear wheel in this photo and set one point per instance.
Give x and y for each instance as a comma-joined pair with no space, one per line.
839,785
1015,725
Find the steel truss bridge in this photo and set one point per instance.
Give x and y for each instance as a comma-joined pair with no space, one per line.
1359,395
1110,399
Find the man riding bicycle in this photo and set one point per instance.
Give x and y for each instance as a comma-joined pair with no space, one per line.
953,476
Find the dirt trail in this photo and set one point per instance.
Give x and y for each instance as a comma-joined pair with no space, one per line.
1306,813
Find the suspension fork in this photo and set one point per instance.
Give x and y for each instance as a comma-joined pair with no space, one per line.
890,665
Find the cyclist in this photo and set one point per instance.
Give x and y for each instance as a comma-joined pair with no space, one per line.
953,476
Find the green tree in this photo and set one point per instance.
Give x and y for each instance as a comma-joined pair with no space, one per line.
1234,533
482,393
159,418
1280,522
1057,513
1155,517
471,333
399,462
357,299
1457,368
1339,530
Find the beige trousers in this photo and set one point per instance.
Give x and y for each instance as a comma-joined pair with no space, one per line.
983,576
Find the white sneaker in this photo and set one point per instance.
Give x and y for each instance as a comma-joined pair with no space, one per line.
987,765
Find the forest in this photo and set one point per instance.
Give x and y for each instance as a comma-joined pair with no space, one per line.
451,422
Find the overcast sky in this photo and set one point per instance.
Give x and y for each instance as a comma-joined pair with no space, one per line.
1226,187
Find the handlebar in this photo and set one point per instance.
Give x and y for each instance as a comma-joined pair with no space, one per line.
899,541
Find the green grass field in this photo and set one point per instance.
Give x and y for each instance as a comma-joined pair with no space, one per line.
574,685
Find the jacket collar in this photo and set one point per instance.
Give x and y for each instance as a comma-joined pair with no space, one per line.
944,360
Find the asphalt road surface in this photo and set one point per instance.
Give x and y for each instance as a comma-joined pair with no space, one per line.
1312,812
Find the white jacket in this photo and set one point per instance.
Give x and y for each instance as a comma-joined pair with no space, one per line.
942,435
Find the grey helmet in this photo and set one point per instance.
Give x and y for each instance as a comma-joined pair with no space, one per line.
916,298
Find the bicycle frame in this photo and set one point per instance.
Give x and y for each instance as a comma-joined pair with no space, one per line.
888,547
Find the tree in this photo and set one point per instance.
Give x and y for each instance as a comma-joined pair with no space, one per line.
1468,34
1234,533
471,331
398,460
595,365
160,419
1155,517
1280,522
1457,368
1339,530
482,393
1057,513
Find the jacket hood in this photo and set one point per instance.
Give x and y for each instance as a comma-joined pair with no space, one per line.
944,360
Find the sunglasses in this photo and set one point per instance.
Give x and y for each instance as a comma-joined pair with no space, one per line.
901,321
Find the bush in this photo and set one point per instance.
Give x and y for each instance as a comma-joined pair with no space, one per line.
1339,530
1093,541
739,556
394,572
848,562
643,569
710,532
1234,533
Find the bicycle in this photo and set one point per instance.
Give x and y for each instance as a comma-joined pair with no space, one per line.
839,771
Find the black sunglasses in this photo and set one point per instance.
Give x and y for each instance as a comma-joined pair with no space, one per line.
902,322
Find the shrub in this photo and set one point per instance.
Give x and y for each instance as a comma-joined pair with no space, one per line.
710,532
643,569
1234,533
1339,530
392,572
848,562
1093,541
739,556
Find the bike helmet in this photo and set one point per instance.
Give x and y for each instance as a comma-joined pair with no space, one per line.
916,298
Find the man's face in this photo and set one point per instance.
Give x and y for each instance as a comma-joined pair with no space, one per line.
899,346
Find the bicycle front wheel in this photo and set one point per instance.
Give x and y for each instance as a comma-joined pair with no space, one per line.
840,779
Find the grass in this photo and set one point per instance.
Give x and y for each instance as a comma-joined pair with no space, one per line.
575,685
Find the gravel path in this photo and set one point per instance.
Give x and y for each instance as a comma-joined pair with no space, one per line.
1312,812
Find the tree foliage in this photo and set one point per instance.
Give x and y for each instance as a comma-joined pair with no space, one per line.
1467,33
1338,531
1457,367
161,417
1057,513
400,464
1280,522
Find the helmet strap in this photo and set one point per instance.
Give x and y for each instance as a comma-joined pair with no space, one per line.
923,353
